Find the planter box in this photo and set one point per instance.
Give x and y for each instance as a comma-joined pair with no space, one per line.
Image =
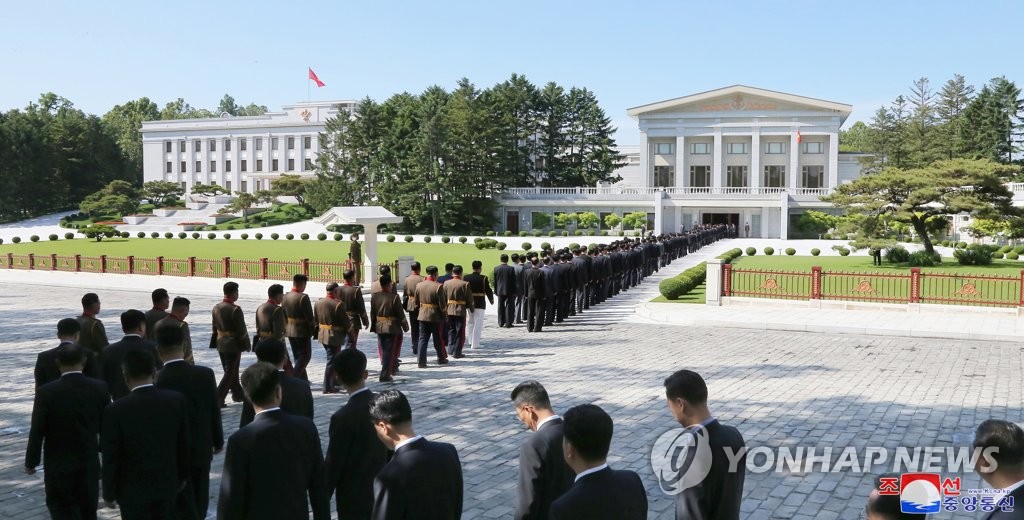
164,212
219,219
135,220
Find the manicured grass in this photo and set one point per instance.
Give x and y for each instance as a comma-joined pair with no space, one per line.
697,295
283,214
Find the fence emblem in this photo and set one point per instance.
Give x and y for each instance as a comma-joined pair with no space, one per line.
326,272
89,264
245,269
145,267
21,261
969,289
864,286
284,270
770,284
174,268
209,269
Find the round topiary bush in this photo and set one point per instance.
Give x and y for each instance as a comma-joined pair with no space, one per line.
244,236
579,232
897,254
446,239
552,233
997,255
462,240
790,251
338,237
125,234
183,235
523,233
71,236
196,236
427,239
226,236
573,247
537,232
769,251
321,236
751,251
304,236
168,235
826,236
527,246
408,239
1019,250
1012,255
545,246
229,226
274,236
508,232
476,239
490,233
211,236
258,236
390,238
815,252
501,246
140,234
53,237
843,251
289,236
34,238
961,245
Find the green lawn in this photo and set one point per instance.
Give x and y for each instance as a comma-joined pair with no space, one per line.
863,264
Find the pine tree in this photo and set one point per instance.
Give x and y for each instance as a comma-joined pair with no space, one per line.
953,99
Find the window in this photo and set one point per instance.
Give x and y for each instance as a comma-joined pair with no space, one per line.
244,166
199,166
184,185
167,167
814,147
538,164
227,165
700,176
181,146
774,177
307,164
273,143
227,186
259,165
198,145
259,144
181,167
775,147
737,148
273,165
245,186
227,145
167,147
291,165
307,142
213,166
291,143
213,145
242,145
736,176
664,176
664,148
700,148
813,176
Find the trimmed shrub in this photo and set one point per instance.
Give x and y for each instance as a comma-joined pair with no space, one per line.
183,235
196,236
476,239
427,239
227,236
552,233
751,251
843,251
501,246
578,232
527,246
731,255
961,245
573,247
545,246
321,236
769,251
508,232
672,288
522,233
338,237
71,236
490,233
258,236
289,236
790,251
684,282
1012,255
274,236
826,236
446,239
462,240
34,238
244,236
923,259
53,238
997,255
815,252
168,235
140,234
304,236
408,238
211,236
537,232
390,238
896,254
229,226
487,243
1019,250
974,256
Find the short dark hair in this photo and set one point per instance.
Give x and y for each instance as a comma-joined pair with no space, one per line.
275,290
589,429
431,269
1008,437
688,385
259,381
350,365
90,299
503,258
449,266
230,287
270,350
531,393
331,287
70,355
457,269
68,327
169,339
179,302
478,264
132,319
159,295
137,364
888,506
299,279
515,256
384,268
390,406
415,266
385,280
349,274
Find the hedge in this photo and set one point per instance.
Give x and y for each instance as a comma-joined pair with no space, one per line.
684,282
53,237
527,246
462,240
815,252
71,236
408,238
751,251
390,238
769,251
427,239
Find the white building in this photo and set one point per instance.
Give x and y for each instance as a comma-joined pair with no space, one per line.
739,155
242,153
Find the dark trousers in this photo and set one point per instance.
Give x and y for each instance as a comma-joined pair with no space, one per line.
581,299
535,314
388,347
331,351
428,330
455,327
549,309
302,350
521,308
506,310
414,330
157,510
229,381
351,338
198,490
73,494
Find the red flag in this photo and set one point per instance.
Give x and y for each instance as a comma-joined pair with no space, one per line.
312,76
798,137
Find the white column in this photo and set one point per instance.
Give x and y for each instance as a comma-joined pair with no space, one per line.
794,162
755,159
659,212
716,162
645,159
370,264
833,160
680,161
784,216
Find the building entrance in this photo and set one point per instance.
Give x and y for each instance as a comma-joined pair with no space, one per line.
721,218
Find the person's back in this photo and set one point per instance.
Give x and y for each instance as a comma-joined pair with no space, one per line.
605,494
543,473
111,362
416,472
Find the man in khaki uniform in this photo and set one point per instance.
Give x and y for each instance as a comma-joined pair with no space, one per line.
333,325
387,319
161,301
352,297
93,335
459,298
381,271
431,301
270,318
300,325
232,338
176,318
409,303
355,254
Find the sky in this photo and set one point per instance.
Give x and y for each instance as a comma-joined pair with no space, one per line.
864,53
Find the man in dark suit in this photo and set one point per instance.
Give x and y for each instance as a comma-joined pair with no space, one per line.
47,371
1005,468
133,323
66,420
354,455
519,266
273,468
581,275
598,492
423,479
505,288
161,302
145,444
543,473
199,386
534,287
719,495
296,395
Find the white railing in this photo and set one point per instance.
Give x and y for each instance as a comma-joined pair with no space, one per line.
632,192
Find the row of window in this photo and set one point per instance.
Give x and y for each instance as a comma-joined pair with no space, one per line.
243,144
772,176
227,166
771,147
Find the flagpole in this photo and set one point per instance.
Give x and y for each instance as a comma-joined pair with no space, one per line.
307,87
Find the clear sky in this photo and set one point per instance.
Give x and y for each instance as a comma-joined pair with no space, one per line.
865,53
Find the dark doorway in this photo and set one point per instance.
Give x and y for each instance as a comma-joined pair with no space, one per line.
512,222
721,218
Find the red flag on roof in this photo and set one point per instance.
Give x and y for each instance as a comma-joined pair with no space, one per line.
312,76
798,137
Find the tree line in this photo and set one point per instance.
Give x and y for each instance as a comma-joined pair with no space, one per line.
439,158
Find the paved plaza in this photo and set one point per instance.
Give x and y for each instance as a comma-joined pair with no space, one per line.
780,388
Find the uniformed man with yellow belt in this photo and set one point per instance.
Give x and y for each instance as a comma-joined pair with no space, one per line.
300,325
352,297
232,338
270,321
333,325
93,335
176,319
459,299
387,319
432,302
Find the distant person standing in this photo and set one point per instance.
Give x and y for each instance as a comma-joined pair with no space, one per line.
93,335
423,479
176,319
543,473
598,492
333,324
721,492
300,324
351,295
518,266
161,302
133,323
387,320
410,305
231,340
480,287
1006,469
459,299
355,254
505,288
430,299
535,290
66,418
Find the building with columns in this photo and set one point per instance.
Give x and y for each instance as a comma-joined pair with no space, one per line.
738,155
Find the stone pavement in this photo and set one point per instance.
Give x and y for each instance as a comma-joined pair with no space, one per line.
779,388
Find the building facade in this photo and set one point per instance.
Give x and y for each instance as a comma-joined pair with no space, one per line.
738,155
243,153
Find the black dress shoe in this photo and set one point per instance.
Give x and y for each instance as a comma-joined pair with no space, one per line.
459,356
442,361
385,379
422,365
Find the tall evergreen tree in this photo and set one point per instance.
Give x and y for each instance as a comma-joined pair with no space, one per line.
949,108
